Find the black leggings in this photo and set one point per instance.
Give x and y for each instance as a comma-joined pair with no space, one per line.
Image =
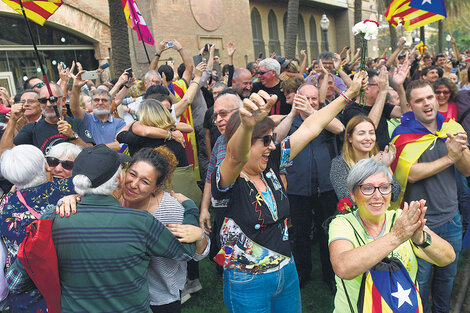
173,307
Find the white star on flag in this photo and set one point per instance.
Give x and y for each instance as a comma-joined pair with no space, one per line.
426,1
402,295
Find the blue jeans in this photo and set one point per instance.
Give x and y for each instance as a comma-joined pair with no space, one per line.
263,293
443,279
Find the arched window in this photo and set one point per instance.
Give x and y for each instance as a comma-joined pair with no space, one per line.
274,43
256,29
301,40
313,39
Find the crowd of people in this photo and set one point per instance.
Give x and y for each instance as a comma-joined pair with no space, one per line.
142,177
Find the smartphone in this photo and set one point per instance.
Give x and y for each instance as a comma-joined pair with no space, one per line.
62,64
206,47
197,59
169,44
129,72
104,66
90,75
260,56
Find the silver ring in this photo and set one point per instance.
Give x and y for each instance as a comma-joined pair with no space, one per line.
59,203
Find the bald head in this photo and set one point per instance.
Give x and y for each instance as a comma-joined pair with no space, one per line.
242,82
311,93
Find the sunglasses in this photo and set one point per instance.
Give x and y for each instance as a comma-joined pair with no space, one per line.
267,139
369,190
444,92
39,85
261,73
53,162
222,113
51,99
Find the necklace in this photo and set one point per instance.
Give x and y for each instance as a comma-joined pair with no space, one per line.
260,196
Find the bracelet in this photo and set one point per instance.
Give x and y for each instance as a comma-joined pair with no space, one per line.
179,49
197,83
342,94
157,54
125,85
202,237
168,137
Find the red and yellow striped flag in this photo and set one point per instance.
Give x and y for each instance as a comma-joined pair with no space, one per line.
37,11
415,13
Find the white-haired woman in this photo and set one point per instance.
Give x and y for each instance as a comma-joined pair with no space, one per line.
374,239
26,167
60,159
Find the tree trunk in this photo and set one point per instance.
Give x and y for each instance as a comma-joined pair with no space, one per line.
440,37
422,35
120,56
357,19
292,25
393,34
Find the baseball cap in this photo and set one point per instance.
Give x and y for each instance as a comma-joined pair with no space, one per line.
99,163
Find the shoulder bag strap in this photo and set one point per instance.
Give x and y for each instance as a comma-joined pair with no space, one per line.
22,200
464,115
351,307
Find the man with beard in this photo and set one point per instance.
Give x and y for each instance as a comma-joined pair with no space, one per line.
103,125
242,82
51,129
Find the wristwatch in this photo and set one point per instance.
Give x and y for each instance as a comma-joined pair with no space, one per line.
427,241
75,136
157,54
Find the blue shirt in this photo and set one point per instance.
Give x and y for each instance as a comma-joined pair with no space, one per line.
103,132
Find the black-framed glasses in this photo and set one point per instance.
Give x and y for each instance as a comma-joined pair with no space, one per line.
53,162
267,139
52,99
369,189
39,85
444,92
261,73
222,113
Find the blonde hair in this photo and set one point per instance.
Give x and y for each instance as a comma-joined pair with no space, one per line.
348,151
153,113
136,90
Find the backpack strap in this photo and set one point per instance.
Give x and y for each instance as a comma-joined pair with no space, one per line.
22,200
351,307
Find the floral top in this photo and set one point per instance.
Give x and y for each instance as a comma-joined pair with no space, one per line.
14,217
254,236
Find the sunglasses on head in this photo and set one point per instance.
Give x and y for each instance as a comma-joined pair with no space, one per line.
51,99
66,164
267,139
39,85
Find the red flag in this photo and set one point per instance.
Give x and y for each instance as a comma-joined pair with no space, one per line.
136,21
37,11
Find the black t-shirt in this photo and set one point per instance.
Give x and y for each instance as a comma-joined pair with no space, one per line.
209,124
253,215
280,107
136,143
381,133
44,135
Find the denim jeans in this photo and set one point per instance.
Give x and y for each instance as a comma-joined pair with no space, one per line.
263,293
443,279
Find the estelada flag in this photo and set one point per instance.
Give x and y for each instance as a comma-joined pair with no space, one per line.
37,11
411,139
415,13
388,288
421,48
136,21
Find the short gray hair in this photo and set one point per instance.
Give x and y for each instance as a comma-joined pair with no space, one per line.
69,150
364,169
83,185
236,101
24,166
326,55
152,73
101,92
271,64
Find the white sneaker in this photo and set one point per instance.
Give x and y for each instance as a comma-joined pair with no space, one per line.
192,286
185,295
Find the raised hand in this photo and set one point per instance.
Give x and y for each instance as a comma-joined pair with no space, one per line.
418,236
230,49
408,223
383,79
400,73
255,109
200,68
176,45
301,104
359,82
77,80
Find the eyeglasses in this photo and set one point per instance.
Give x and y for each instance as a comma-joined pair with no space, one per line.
39,85
444,92
267,139
100,99
261,73
52,99
28,101
369,190
222,113
66,164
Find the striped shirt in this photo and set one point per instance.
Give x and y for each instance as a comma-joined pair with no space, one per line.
104,251
217,156
167,277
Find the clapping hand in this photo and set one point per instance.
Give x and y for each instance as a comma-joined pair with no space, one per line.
410,222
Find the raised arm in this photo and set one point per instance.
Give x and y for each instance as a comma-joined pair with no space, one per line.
393,57
303,65
188,62
315,123
78,83
189,95
7,139
160,48
377,109
254,110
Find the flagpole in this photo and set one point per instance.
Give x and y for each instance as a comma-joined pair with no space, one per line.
138,29
44,75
